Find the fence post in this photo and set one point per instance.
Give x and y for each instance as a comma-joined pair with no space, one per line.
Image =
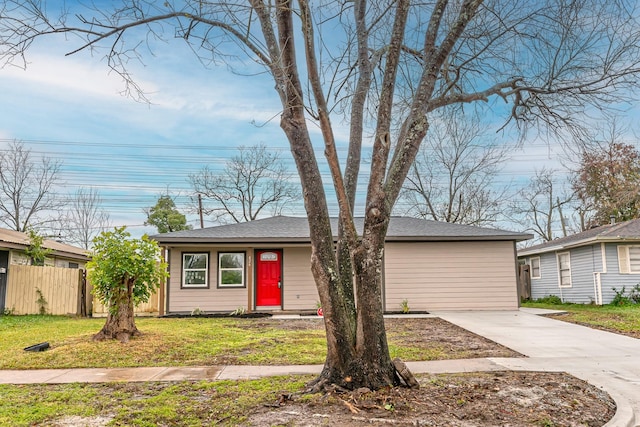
82,293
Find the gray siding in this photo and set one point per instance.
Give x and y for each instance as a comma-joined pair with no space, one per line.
586,261
613,278
451,276
547,283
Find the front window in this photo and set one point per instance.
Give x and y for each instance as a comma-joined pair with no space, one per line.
231,269
195,270
564,270
535,267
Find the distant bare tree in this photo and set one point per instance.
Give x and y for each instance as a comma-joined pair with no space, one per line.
453,176
26,188
538,206
85,218
254,182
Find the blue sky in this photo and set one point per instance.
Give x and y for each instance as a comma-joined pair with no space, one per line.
71,109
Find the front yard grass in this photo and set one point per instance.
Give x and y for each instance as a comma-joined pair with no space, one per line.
141,404
209,341
619,319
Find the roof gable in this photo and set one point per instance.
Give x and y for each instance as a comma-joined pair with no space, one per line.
296,230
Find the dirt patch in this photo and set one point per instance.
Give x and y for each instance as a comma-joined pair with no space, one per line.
470,399
453,340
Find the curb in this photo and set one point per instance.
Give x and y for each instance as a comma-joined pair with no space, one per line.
625,415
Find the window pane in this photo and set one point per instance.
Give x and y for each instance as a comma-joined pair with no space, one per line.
634,258
195,278
192,261
232,261
231,277
564,261
535,267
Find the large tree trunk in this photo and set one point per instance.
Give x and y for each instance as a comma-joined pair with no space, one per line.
121,324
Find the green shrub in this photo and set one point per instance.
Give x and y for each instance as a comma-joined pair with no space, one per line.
623,297
550,299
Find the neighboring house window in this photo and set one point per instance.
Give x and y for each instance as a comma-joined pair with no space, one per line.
231,269
535,267
629,259
73,265
564,270
195,270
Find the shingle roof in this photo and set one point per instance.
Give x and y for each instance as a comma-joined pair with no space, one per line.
18,240
296,230
623,231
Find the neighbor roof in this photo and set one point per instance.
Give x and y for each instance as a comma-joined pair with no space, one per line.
17,240
296,230
623,231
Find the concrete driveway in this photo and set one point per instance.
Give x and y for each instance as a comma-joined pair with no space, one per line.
604,359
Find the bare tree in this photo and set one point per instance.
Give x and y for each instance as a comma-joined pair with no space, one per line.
85,218
548,60
538,206
27,199
453,178
254,182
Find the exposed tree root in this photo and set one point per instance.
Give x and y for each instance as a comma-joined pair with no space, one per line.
122,336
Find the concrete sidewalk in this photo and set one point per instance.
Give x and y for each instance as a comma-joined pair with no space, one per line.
212,373
604,359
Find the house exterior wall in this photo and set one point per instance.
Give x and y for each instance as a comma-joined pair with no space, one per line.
299,291
299,287
585,261
613,278
547,283
212,298
586,267
451,276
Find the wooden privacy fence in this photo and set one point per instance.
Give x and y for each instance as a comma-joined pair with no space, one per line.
63,290
150,308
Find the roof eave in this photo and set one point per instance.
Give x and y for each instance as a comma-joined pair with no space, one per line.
204,240
576,244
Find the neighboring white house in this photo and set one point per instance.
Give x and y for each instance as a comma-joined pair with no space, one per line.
585,267
264,265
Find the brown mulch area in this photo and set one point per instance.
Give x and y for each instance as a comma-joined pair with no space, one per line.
471,399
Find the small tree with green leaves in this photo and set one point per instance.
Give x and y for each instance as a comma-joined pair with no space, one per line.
36,251
124,272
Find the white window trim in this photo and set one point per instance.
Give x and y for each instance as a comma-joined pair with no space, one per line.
206,271
624,259
531,267
242,270
560,285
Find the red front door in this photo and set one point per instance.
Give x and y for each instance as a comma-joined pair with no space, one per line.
268,278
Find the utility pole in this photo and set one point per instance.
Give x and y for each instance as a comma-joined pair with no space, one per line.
200,210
